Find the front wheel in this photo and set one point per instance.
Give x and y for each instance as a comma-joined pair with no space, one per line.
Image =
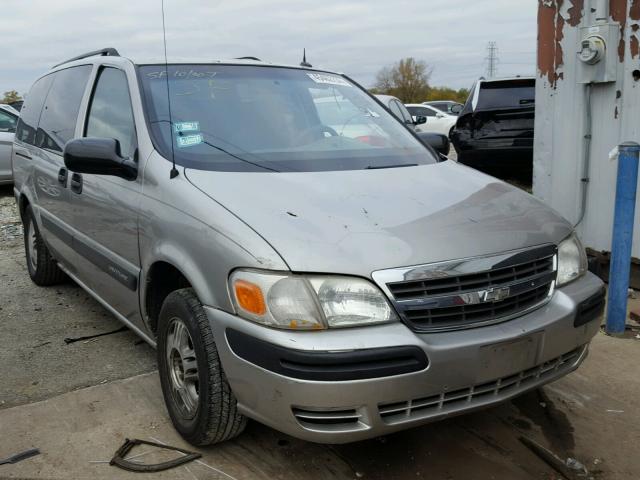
199,399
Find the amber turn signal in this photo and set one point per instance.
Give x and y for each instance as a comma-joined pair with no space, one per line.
250,297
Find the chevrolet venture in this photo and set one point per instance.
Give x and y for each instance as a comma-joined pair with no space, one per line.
315,269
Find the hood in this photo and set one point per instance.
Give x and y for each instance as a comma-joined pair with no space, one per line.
357,222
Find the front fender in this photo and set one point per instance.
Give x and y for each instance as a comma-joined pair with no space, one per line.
181,226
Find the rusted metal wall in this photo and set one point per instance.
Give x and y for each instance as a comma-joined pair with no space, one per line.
559,147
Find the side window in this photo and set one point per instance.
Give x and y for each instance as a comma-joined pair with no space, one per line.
7,122
421,112
394,106
110,113
31,109
58,120
405,115
468,104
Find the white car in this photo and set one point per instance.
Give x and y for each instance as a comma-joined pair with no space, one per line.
8,121
437,121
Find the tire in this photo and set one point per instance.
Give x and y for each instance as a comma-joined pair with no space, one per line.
185,342
43,268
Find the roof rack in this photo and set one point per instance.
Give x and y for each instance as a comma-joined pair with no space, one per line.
104,52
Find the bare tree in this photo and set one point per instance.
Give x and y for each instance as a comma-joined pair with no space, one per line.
11,96
408,80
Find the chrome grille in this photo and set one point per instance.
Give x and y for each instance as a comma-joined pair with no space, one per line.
455,316
471,292
447,401
464,283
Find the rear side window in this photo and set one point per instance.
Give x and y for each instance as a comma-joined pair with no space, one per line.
421,112
7,122
406,116
58,120
31,109
110,113
507,94
395,108
468,104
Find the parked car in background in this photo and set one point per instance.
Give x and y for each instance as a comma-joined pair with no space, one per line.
335,288
436,121
399,110
8,121
446,106
17,104
437,140
494,131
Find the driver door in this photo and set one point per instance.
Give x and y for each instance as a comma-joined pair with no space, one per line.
105,208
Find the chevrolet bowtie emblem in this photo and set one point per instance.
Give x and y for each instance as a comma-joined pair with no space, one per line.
496,294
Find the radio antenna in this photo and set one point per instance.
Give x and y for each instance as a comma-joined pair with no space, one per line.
304,62
174,172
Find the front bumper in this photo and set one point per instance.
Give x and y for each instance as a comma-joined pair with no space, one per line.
467,370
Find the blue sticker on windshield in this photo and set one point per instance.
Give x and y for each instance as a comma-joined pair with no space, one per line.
189,140
186,127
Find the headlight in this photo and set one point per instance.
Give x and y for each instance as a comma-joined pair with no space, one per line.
572,260
308,302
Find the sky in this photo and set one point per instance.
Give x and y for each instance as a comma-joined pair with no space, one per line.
357,37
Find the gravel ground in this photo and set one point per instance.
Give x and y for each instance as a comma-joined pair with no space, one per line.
590,415
35,361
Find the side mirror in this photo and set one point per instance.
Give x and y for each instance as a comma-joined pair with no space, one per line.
439,115
421,120
437,141
99,156
456,109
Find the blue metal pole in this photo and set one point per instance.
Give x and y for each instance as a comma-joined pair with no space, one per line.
622,236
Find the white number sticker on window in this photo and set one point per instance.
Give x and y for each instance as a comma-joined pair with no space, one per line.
328,79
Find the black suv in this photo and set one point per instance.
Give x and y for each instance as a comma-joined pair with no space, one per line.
494,131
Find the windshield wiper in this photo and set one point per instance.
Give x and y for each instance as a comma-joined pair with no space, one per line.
399,165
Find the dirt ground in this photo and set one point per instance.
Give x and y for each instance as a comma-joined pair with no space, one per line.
590,415
35,361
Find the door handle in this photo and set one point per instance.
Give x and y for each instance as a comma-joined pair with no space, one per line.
62,177
76,183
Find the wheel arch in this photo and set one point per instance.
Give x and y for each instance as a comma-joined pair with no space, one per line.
161,278
23,203
169,270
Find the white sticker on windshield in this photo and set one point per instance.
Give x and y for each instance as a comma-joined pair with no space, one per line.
189,140
328,79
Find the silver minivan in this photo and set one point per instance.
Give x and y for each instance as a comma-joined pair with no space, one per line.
318,270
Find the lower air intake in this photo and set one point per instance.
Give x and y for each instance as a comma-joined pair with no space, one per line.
329,420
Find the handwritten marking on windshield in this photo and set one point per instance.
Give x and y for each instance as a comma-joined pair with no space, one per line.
181,74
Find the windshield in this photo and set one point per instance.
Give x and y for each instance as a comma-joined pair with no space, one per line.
253,118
